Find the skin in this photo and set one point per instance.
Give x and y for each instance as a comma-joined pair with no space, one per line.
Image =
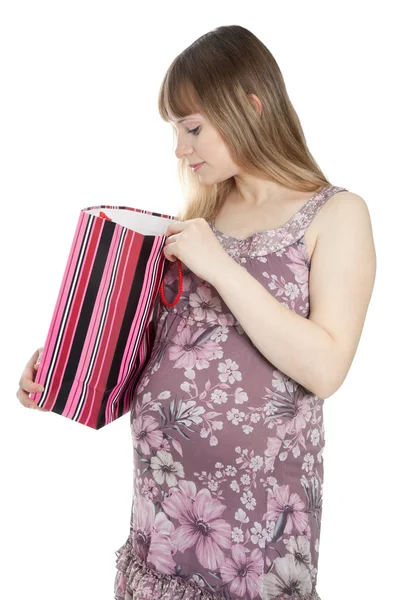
256,200
27,384
316,351
256,204
261,196
206,144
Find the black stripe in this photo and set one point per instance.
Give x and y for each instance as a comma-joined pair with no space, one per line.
74,279
131,308
85,315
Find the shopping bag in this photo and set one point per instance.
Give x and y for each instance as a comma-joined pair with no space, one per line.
103,326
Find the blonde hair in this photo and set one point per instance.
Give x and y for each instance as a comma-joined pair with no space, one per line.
214,76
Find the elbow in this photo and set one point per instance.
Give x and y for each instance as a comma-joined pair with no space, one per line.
324,393
330,374
327,386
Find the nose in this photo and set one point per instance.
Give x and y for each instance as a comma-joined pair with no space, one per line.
182,149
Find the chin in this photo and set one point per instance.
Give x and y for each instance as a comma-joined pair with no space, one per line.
222,179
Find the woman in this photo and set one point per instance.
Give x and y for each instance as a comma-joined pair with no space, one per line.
278,271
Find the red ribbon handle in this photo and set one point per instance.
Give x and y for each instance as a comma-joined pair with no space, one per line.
104,216
179,287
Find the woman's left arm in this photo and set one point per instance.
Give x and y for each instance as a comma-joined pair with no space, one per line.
317,351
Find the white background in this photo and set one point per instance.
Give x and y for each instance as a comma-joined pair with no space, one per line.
80,127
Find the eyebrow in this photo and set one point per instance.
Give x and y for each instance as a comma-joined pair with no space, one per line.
185,119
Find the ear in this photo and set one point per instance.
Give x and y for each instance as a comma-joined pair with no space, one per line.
257,103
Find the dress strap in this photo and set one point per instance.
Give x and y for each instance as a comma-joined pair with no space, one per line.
304,217
300,222
273,240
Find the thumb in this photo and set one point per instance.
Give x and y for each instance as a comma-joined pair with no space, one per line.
36,365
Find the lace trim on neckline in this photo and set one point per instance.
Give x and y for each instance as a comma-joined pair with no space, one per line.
271,240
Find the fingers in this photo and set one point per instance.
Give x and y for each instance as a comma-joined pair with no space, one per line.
27,384
39,353
24,399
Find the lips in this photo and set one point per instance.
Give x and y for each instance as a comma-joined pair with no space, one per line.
195,164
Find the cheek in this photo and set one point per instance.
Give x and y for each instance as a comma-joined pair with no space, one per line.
223,157
212,143
220,150
213,151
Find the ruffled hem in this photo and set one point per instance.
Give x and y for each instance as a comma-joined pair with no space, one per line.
312,596
136,580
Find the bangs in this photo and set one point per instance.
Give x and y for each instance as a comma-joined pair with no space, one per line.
178,97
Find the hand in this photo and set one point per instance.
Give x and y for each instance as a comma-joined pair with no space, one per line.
195,244
26,383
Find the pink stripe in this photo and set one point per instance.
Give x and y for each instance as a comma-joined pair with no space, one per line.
76,306
117,294
124,276
104,357
139,210
93,329
144,347
140,318
56,375
115,314
137,240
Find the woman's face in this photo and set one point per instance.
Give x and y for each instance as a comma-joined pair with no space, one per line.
199,142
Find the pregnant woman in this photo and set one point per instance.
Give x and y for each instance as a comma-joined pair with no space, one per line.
278,267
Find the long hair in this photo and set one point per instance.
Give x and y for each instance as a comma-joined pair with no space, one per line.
214,76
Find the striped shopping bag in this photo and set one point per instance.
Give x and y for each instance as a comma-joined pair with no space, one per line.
103,325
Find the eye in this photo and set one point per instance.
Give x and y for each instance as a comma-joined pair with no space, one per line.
194,131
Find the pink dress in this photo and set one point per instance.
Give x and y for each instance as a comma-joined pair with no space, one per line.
228,466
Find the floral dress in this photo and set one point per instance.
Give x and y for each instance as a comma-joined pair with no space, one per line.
228,466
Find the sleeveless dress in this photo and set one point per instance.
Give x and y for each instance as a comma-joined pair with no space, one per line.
228,466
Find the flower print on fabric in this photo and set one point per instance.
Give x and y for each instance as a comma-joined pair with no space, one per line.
146,434
243,572
228,450
200,524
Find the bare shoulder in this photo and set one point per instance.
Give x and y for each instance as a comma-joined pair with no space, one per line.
344,202
346,226
341,208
